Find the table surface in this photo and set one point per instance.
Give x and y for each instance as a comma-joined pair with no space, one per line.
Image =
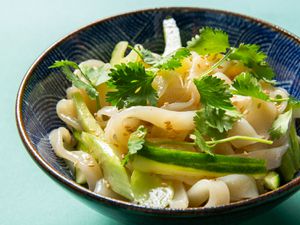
27,28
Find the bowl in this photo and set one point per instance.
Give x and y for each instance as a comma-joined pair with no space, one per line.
40,90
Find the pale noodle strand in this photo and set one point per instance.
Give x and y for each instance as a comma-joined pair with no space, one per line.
171,121
180,199
66,111
82,160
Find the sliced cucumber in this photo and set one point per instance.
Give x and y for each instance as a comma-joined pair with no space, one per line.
199,164
118,52
150,191
113,170
171,35
86,119
272,180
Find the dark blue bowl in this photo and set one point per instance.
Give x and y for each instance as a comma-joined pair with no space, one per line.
40,90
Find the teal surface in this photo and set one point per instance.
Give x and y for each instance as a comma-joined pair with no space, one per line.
27,28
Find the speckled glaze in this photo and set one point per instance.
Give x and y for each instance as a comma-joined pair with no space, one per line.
41,89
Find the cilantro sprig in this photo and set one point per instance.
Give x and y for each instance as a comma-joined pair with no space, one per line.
169,62
133,86
214,41
136,142
209,41
80,80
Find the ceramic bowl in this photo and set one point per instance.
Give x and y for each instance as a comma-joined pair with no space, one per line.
41,89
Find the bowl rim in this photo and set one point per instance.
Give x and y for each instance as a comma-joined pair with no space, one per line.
290,187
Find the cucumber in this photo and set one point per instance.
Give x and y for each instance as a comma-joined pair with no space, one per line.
272,180
150,191
113,170
118,53
86,119
171,36
175,162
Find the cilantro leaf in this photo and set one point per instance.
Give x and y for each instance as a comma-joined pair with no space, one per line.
97,74
172,61
214,92
136,142
281,125
77,81
149,57
64,63
247,85
200,142
133,86
250,55
210,41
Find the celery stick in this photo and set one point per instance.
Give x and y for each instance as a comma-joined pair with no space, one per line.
118,53
86,119
171,35
295,145
287,168
150,191
113,170
272,180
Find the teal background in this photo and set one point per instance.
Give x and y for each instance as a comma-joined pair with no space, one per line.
27,28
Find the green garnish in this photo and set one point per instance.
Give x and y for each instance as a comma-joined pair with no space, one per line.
281,125
214,92
247,85
210,41
81,81
217,115
252,57
133,86
173,60
135,143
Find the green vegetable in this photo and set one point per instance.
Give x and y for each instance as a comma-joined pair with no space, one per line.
133,86
86,119
171,36
82,81
113,170
214,92
217,115
150,191
247,85
272,180
118,53
250,56
290,162
173,60
97,75
210,41
199,164
281,125
149,57
135,142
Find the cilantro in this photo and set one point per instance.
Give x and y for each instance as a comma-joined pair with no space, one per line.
214,92
149,57
133,86
250,56
80,81
281,125
173,60
217,115
210,41
247,85
97,75
136,142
